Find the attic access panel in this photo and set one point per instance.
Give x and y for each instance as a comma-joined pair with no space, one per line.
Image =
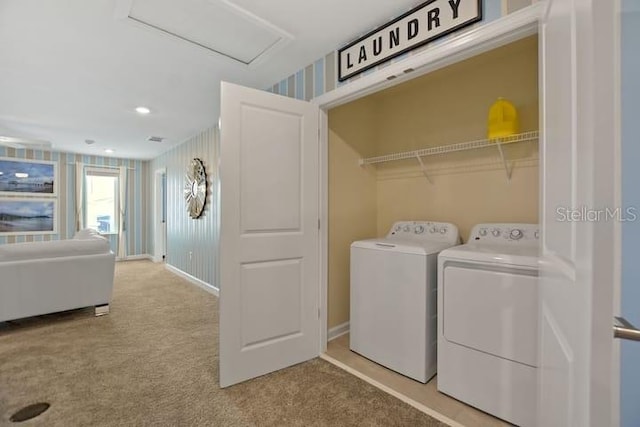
218,26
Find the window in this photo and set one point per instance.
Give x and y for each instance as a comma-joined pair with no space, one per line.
101,200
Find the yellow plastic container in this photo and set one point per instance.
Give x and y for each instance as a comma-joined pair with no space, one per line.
503,120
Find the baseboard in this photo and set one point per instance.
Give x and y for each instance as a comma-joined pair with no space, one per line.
135,257
194,280
338,331
419,406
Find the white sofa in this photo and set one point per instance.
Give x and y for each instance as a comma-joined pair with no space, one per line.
45,277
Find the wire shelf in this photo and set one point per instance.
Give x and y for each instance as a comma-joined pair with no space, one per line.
444,149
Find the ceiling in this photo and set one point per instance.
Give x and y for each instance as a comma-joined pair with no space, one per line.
72,70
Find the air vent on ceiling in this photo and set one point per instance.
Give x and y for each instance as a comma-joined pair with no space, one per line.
155,139
220,27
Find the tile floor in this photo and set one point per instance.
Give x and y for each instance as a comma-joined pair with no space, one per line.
426,394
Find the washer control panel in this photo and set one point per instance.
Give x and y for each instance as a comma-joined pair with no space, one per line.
523,234
425,231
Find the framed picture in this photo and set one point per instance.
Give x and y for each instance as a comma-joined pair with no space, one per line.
28,177
28,216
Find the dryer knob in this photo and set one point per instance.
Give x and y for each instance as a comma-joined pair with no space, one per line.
433,229
495,232
419,229
407,228
443,230
516,234
483,232
536,234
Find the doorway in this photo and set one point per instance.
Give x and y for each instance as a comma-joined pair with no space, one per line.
160,215
447,106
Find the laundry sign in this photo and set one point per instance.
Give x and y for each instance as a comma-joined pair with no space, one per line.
427,22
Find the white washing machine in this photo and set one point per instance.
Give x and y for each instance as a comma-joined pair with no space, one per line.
393,296
488,322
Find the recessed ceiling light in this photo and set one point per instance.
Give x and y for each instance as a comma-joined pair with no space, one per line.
22,175
109,150
143,110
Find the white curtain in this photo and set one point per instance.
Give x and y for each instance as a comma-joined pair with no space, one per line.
122,229
79,196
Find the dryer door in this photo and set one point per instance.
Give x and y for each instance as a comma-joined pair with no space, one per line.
493,311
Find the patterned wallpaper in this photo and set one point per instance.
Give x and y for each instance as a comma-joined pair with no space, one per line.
191,243
137,186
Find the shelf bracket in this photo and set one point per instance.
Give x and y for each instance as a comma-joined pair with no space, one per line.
424,169
508,168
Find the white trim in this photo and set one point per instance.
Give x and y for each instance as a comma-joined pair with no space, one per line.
419,406
134,258
323,149
194,280
338,331
500,32
617,226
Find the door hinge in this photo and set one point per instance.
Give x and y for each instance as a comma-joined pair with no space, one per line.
318,224
318,313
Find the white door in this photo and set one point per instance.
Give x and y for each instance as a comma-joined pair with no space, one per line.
579,240
269,241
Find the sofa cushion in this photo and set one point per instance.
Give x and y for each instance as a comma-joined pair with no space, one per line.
53,249
87,233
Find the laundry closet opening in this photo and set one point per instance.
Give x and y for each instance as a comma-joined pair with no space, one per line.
481,185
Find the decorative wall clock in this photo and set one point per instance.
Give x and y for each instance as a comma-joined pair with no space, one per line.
195,188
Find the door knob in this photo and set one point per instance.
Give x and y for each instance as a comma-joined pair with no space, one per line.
625,330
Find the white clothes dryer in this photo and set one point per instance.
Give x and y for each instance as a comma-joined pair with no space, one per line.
393,296
488,321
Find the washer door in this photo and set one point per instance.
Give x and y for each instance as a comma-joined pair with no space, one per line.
495,312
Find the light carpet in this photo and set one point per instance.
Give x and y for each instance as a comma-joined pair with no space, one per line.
153,361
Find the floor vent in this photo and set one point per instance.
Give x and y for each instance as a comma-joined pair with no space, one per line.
29,412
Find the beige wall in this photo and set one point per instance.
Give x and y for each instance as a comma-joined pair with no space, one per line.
352,199
444,107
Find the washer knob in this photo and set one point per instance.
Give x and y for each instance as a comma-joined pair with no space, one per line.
483,232
433,229
419,229
495,232
536,234
516,234
407,228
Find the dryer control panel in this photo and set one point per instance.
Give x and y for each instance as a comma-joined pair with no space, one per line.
511,233
425,231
